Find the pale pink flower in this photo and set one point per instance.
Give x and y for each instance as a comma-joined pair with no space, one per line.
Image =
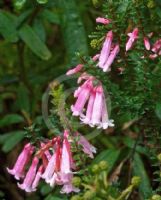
86,119
23,159
87,147
111,58
105,49
83,95
50,169
105,123
95,58
157,46
97,107
75,70
146,43
30,176
103,20
65,167
37,178
153,56
132,38
68,188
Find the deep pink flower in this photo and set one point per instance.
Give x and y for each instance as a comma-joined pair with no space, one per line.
103,20
83,95
105,49
23,159
132,38
111,58
30,176
87,147
146,43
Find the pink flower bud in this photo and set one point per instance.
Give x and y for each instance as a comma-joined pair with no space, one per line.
146,43
132,38
105,49
103,20
75,70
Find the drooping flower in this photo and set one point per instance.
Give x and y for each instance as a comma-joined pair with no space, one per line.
23,159
37,178
91,109
82,97
105,51
111,58
132,38
103,20
146,43
30,176
157,46
86,146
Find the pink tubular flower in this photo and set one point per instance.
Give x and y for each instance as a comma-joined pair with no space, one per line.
75,70
51,167
157,46
132,37
91,110
83,95
105,123
37,178
30,176
86,119
146,43
23,159
105,49
65,167
87,147
97,107
103,20
111,58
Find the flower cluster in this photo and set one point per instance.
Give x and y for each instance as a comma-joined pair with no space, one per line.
53,162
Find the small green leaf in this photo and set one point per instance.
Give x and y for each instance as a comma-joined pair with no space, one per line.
45,189
158,110
139,170
38,27
11,119
73,30
12,139
19,4
42,1
33,41
8,26
110,155
51,16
